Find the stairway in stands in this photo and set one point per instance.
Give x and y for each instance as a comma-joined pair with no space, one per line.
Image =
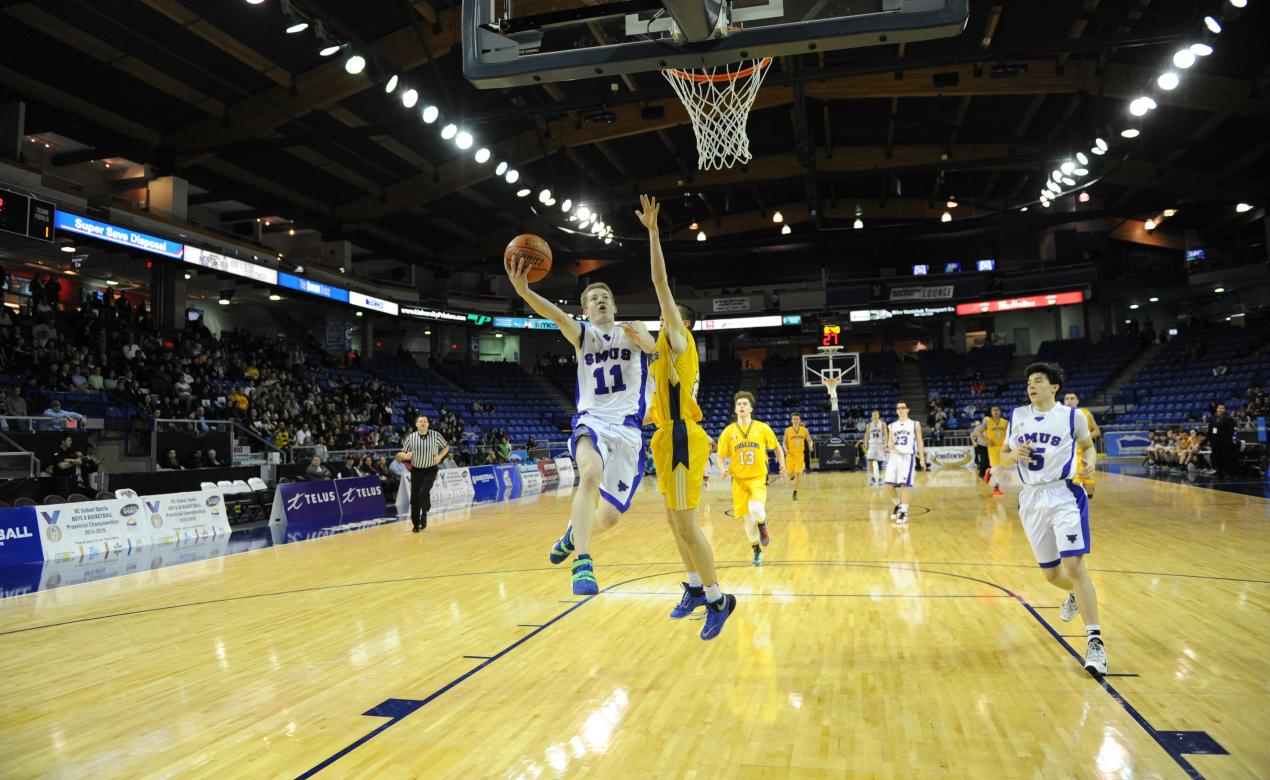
1127,374
912,391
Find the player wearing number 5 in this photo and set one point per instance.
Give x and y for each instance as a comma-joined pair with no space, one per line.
745,443
903,438
606,441
1041,444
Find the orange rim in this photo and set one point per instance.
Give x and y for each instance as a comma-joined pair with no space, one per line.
701,78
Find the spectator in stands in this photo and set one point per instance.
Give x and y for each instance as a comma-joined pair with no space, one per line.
368,467
170,462
199,423
196,460
66,462
56,411
212,461
348,468
281,439
504,450
16,403
316,470
302,436
95,380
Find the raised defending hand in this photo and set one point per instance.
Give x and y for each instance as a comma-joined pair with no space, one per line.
518,272
649,209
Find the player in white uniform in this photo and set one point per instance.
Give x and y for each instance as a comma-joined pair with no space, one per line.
1041,445
612,396
903,439
875,448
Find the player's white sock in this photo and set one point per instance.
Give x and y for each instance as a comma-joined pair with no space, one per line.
751,529
713,593
694,580
904,508
1093,632
873,469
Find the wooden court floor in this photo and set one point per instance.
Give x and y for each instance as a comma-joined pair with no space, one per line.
861,649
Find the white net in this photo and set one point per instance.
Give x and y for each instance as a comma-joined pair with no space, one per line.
718,101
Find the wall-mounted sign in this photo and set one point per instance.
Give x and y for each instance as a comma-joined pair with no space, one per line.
26,216
525,323
868,315
72,223
830,335
739,323
313,288
373,303
724,305
1024,302
229,265
431,314
942,292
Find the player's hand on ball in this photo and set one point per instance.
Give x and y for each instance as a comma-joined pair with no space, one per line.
649,209
518,272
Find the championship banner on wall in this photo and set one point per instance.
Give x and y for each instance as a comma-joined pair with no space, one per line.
530,480
950,457
565,472
361,498
186,517
1126,444
69,531
550,477
509,485
484,484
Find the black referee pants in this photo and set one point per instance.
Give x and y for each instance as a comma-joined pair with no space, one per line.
981,460
421,494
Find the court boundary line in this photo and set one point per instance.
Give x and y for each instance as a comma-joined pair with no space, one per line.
915,565
410,706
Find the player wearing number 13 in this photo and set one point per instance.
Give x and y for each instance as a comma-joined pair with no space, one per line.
1041,444
611,395
745,443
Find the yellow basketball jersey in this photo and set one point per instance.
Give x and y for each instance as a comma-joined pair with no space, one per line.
796,441
675,379
995,431
747,447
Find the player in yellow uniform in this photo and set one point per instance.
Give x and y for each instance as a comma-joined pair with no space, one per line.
745,444
798,447
681,447
994,428
1071,400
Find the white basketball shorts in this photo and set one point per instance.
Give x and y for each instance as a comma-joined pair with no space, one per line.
899,469
1056,520
621,447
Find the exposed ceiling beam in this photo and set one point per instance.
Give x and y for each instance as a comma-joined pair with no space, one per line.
797,213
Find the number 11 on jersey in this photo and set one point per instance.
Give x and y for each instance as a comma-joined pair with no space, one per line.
618,384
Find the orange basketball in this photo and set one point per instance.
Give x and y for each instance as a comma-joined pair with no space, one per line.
534,251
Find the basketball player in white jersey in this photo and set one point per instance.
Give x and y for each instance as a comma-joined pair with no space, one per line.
1041,445
613,393
903,439
875,448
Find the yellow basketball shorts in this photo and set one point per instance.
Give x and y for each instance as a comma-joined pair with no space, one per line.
994,456
745,490
680,453
1076,472
795,465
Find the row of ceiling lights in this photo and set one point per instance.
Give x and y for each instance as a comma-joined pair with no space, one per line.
586,221
1071,171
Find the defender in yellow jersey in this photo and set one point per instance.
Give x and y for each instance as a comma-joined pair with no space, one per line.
995,428
1070,399
743,447
798,449
680,446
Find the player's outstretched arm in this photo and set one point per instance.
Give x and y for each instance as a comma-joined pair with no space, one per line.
649,210
780,461
638,332
519,275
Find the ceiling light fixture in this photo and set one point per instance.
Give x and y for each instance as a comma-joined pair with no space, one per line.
1140,106
1081,158
1213,25
1133,306
693,226
544,195
501,168
430,114
1131,132
1067,167
1167,81
523,192
482,155
1201,49
391,86
1240,208
785,230
275,297
1168,212
355,65
701,236
1149,225
1100,145
329,50
778,217
858,224
68,248
1153,299
409,98
1083,197
945,217
297,27
449,131
1184,58
952,204
463,140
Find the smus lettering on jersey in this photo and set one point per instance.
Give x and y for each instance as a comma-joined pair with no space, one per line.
605,355
1041,438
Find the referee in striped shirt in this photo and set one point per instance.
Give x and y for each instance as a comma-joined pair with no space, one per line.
424,450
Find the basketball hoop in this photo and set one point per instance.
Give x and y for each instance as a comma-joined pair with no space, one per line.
831,384
718,101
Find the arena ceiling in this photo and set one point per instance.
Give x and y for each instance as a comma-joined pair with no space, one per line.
216,91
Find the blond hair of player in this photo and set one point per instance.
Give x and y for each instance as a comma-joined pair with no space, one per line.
1071,400
680,446
994,430
743,447
799,446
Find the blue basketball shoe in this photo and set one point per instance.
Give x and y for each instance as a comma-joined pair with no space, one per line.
716,616
563,547
584,583
689,602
